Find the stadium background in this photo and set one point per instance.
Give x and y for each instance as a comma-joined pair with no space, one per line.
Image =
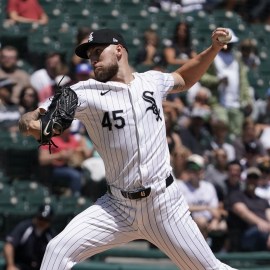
18,156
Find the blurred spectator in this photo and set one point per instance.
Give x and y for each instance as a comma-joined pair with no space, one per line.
25,245
261,117
65,160
94,171
178,102
220,134
28,100
261,111
82,36
201,197
26,11
237,6
178,6
49,91
196,136
180,161
258,11
9,112
150,54
233,181
249,54
264,139
9,69
227,78
45,77
181,49
249,135
166,5
249,220
263,188
216,172
199,96
251,156
176,147
83,72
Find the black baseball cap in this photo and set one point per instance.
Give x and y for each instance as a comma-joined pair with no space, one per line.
100,37
45,212
252,147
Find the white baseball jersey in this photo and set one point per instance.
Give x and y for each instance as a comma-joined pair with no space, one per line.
126,125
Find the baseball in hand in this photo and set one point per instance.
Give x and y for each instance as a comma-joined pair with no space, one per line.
225,39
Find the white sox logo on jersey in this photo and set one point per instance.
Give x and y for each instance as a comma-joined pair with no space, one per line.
148,98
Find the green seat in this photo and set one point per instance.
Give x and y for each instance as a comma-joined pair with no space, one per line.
142,68
21,159
2,264
148,267
131,253
96,266
32,193
21,186
244,260
49,7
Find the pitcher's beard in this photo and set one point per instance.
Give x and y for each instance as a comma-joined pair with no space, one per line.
105,74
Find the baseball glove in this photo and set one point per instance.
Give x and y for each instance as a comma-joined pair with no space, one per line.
58,116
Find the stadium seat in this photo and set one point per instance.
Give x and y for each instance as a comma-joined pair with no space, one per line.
7,197
20,163
96,266
142,68
31,192
2,264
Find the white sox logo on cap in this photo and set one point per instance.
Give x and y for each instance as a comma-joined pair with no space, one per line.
90,37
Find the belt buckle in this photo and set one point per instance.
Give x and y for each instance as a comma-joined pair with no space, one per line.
139,194
144,192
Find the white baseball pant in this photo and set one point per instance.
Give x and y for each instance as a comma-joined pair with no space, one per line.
162,218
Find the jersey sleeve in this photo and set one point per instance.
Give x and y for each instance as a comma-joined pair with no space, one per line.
164,82
82,98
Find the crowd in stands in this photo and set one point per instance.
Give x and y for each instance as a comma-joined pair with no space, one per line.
251,11
217,132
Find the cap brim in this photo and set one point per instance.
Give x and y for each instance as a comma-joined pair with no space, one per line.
81,50
254,176
193,166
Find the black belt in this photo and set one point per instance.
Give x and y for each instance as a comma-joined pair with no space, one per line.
141,193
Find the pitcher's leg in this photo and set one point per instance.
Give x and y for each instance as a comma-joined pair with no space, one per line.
169,226
100,227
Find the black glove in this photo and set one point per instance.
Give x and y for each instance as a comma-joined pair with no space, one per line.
59,115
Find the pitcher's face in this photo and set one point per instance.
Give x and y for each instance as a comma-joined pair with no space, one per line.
104,61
